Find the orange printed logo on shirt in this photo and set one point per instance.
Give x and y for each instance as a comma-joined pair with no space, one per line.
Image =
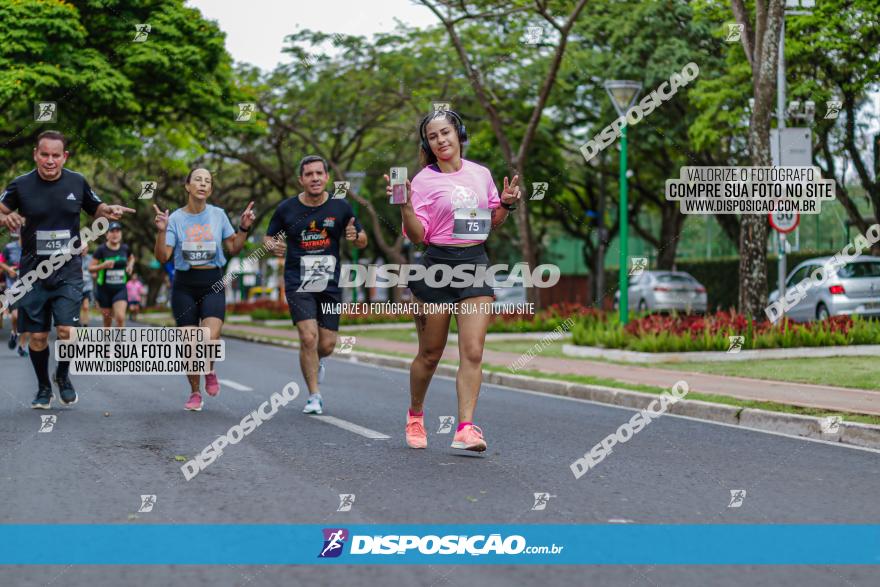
199,232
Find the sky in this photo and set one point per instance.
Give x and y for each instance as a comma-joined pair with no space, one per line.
255,29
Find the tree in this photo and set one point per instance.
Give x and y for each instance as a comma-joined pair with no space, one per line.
760,41
832,55
493,82
108,88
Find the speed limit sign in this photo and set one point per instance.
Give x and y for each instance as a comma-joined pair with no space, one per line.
784,222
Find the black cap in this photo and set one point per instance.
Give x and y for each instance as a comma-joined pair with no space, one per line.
114,226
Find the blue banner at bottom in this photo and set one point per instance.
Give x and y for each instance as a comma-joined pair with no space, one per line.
629,544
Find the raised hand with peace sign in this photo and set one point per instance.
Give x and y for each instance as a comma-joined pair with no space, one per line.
511,194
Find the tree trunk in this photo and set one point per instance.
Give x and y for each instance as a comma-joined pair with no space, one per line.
670,234
763,54
527,245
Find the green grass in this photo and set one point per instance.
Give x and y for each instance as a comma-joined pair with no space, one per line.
398,335
553,349
855,372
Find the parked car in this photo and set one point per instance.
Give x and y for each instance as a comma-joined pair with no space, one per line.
851,289
507,291
665,291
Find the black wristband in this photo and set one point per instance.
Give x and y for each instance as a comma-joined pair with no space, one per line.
240,229
508,207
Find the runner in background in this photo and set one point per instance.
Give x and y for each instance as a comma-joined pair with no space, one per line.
194,237
113,264
314,225
46,204
88,285
135,289
452,206
11,259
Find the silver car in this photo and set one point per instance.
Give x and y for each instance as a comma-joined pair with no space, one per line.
851,289
507,291
654,291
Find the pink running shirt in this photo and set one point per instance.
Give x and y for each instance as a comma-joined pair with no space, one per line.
436,195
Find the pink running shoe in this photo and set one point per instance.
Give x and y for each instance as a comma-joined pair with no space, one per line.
212,386
469,438
195,402
416,437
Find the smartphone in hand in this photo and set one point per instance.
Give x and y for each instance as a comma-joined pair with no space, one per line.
398,185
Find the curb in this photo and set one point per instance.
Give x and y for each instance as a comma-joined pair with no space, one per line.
848,433
587,352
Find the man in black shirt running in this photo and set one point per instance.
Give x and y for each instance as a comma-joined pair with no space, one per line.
45,205
314,225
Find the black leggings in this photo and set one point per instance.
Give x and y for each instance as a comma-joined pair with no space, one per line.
193,296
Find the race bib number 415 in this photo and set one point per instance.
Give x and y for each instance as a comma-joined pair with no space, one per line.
49,241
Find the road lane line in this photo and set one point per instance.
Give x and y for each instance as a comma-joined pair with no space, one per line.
352,427
235,386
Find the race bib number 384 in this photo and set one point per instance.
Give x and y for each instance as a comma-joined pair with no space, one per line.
199,253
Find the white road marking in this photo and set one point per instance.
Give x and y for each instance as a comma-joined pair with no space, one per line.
235,386
352,427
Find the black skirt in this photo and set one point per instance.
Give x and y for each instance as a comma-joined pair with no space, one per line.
451,257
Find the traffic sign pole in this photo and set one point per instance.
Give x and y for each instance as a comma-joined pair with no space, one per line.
783,223
781,267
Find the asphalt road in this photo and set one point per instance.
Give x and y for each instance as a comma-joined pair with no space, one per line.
93,468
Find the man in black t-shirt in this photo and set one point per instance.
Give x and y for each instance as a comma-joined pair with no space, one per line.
314,224
45,204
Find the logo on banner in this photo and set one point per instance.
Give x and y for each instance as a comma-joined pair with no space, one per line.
334,540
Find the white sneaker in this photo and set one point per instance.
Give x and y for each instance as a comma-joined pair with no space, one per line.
315,405
321,371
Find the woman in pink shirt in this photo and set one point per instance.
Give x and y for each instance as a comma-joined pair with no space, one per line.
135,289
452,206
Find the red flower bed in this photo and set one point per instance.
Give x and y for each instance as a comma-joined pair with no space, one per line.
723,322
248,307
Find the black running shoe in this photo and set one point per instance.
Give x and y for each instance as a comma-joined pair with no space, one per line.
13,338
66,391
43,401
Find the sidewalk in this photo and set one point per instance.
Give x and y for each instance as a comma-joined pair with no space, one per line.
838,399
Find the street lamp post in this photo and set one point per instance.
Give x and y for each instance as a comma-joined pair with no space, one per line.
623,95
